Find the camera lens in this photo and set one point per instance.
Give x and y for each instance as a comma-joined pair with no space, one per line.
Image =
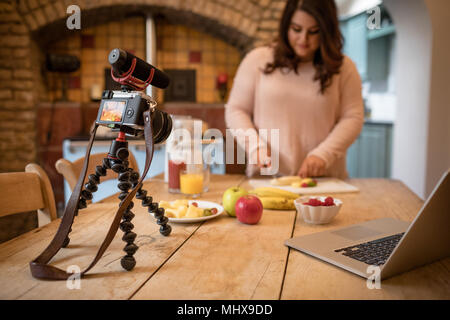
161,126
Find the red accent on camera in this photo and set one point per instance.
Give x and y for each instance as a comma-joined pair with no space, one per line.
121,137
128,79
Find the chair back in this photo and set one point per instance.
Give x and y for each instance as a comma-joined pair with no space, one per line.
71,170
28,191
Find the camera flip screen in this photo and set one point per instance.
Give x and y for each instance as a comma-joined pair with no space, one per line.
112,111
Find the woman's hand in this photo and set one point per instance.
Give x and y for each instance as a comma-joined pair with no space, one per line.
312,166
261,156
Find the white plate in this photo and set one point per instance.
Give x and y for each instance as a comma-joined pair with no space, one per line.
204,205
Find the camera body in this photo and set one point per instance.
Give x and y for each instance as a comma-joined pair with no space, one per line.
124,111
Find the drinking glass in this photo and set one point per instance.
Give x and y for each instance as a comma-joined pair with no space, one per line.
175,166
192,180
206,176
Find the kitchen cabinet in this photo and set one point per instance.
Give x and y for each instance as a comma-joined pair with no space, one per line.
74,149
369,49
356,44
370,155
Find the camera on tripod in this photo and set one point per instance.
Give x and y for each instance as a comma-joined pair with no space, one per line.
123,110
130,112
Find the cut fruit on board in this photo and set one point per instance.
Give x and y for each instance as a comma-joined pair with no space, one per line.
324,185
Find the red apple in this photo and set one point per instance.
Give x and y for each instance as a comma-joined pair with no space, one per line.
249,209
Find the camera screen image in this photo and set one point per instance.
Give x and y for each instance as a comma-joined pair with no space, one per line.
112,111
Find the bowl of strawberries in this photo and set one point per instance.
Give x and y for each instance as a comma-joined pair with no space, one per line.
318,210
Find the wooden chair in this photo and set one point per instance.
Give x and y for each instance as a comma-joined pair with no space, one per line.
25,192
71,170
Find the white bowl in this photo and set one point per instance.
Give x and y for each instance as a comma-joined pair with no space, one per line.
317,215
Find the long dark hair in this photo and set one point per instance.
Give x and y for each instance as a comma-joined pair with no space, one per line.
328,58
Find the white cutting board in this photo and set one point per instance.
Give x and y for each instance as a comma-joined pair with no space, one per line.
324,185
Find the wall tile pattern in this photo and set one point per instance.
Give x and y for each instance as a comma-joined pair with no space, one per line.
27,27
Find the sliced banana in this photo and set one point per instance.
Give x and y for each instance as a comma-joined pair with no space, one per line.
285,181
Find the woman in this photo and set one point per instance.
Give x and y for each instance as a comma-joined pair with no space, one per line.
305,87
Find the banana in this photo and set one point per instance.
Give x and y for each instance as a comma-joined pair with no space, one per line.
306,182
273,192
277,203
285,181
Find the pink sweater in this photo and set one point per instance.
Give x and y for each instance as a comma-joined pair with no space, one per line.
310,123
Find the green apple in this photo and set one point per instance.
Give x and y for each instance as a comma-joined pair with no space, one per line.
230,197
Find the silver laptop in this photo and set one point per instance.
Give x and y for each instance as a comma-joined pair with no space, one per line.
392,245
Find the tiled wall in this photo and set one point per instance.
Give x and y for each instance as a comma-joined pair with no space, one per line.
92,46
27,25
178,47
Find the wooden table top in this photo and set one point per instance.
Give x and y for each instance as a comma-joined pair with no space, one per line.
219,258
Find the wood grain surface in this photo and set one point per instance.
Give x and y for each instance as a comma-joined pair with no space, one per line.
310,278
220,258
225,259
107,280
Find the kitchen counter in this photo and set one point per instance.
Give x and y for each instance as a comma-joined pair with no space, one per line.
378,121
75,148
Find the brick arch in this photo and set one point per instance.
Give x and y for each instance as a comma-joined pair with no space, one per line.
27,24
236,22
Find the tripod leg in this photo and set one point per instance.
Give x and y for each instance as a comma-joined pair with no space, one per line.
147,201
90,187
121,167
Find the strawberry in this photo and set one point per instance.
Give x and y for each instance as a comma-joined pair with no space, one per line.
315,202
329,201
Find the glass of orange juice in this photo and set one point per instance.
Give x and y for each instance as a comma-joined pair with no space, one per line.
192,180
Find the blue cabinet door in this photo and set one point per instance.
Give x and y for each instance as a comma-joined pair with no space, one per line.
75,150
370,155
356,45
352,159
372,152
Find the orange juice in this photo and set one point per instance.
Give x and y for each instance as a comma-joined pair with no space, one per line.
191,183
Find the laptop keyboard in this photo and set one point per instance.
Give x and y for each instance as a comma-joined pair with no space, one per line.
374,252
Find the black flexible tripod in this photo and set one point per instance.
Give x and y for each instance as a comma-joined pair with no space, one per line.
117,160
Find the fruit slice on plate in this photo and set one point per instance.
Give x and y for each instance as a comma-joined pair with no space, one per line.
186,211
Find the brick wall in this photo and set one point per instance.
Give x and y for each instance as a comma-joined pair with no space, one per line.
92,45
182,47
17,94
28,25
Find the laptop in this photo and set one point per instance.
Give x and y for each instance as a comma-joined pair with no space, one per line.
392,245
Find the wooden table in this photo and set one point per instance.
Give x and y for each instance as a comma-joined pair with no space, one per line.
219,258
